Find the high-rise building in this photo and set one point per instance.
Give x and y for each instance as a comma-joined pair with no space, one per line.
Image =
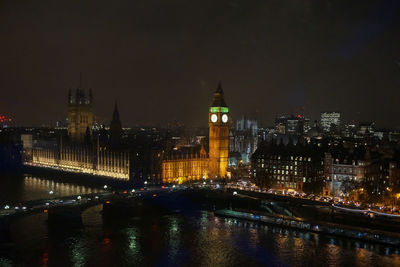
80,115
329,119
218,135
292,125
280,125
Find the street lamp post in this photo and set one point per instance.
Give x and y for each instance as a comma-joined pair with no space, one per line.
51,193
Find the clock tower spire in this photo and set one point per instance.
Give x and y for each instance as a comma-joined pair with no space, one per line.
218,135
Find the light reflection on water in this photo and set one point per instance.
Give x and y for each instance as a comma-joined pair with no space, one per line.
197,239
37,188
20,188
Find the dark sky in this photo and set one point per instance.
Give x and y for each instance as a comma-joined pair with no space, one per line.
163,59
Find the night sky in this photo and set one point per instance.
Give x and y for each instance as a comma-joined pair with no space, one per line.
161,60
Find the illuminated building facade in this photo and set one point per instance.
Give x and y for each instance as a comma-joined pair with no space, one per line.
80,115
329,119
244,138
292,125
184,165
394,176
83,159
218,123
181,165
74,156
341,169
377,176
288,167
142,160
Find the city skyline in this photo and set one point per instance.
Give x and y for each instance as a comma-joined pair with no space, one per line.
199,133
272,59
105,120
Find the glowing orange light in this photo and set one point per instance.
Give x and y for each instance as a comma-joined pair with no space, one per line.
108,202
45,211
125,192
154,195
162,187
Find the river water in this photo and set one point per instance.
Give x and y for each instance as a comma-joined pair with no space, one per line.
173,239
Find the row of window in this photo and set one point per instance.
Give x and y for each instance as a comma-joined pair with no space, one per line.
287,184
279,158
345,170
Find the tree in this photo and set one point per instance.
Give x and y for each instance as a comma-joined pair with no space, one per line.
348,186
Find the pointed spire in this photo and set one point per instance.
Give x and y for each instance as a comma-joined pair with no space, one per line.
116,113
219,88
219,97
115,127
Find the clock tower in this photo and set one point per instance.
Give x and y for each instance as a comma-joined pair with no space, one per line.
218,122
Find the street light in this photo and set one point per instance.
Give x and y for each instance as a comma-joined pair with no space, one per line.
51,192
105,186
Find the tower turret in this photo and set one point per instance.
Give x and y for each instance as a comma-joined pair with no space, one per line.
80,116
218,135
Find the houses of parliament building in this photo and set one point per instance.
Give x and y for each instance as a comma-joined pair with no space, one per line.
82,151
182,167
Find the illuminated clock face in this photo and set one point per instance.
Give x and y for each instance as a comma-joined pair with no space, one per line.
224,118
214,118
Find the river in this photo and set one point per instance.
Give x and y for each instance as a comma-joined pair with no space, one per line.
172,239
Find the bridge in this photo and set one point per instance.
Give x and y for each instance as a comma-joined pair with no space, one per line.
68,210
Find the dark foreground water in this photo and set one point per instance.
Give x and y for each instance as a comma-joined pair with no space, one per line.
176,239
